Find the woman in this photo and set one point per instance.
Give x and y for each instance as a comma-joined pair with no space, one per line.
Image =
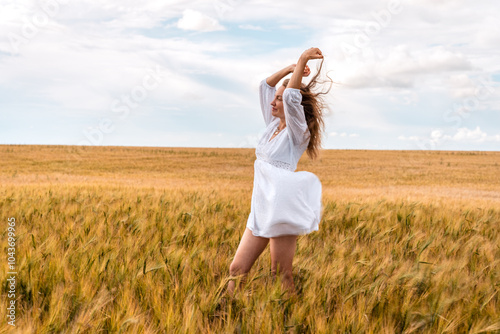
285,203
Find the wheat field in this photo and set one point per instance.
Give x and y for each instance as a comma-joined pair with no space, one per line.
140,239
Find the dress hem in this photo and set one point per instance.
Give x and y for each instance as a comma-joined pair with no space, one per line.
264,235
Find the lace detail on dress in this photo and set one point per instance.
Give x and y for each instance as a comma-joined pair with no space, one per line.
276,163
281,164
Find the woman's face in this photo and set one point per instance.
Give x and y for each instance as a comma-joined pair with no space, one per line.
277,103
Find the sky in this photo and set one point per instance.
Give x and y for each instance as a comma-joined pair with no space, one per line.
408,74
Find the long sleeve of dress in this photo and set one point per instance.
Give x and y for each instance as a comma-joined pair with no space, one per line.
295,117
266,94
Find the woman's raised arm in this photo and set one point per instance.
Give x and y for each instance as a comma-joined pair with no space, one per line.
276,77
296,79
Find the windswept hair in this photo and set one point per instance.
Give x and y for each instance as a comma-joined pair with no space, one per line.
314,105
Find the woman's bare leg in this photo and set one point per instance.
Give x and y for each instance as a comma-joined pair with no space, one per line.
282,252
248,251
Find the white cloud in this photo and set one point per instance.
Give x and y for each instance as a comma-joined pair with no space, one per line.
400,67
489,34
87,72
194,20
462,86
476,135
463,135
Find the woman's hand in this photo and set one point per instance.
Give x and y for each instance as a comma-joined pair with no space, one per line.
301,69
312,53
307,70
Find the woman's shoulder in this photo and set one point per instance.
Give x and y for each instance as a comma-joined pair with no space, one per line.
292,95
265,86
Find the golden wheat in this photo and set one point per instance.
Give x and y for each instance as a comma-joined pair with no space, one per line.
139,240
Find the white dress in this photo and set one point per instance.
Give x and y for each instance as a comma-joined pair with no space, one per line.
284,202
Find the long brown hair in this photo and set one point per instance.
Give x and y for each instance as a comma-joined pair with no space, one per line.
314,105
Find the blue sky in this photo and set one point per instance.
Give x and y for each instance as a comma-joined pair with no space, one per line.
415,74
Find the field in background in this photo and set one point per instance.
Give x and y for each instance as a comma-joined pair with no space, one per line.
140,239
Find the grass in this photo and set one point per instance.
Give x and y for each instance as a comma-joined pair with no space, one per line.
139,240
